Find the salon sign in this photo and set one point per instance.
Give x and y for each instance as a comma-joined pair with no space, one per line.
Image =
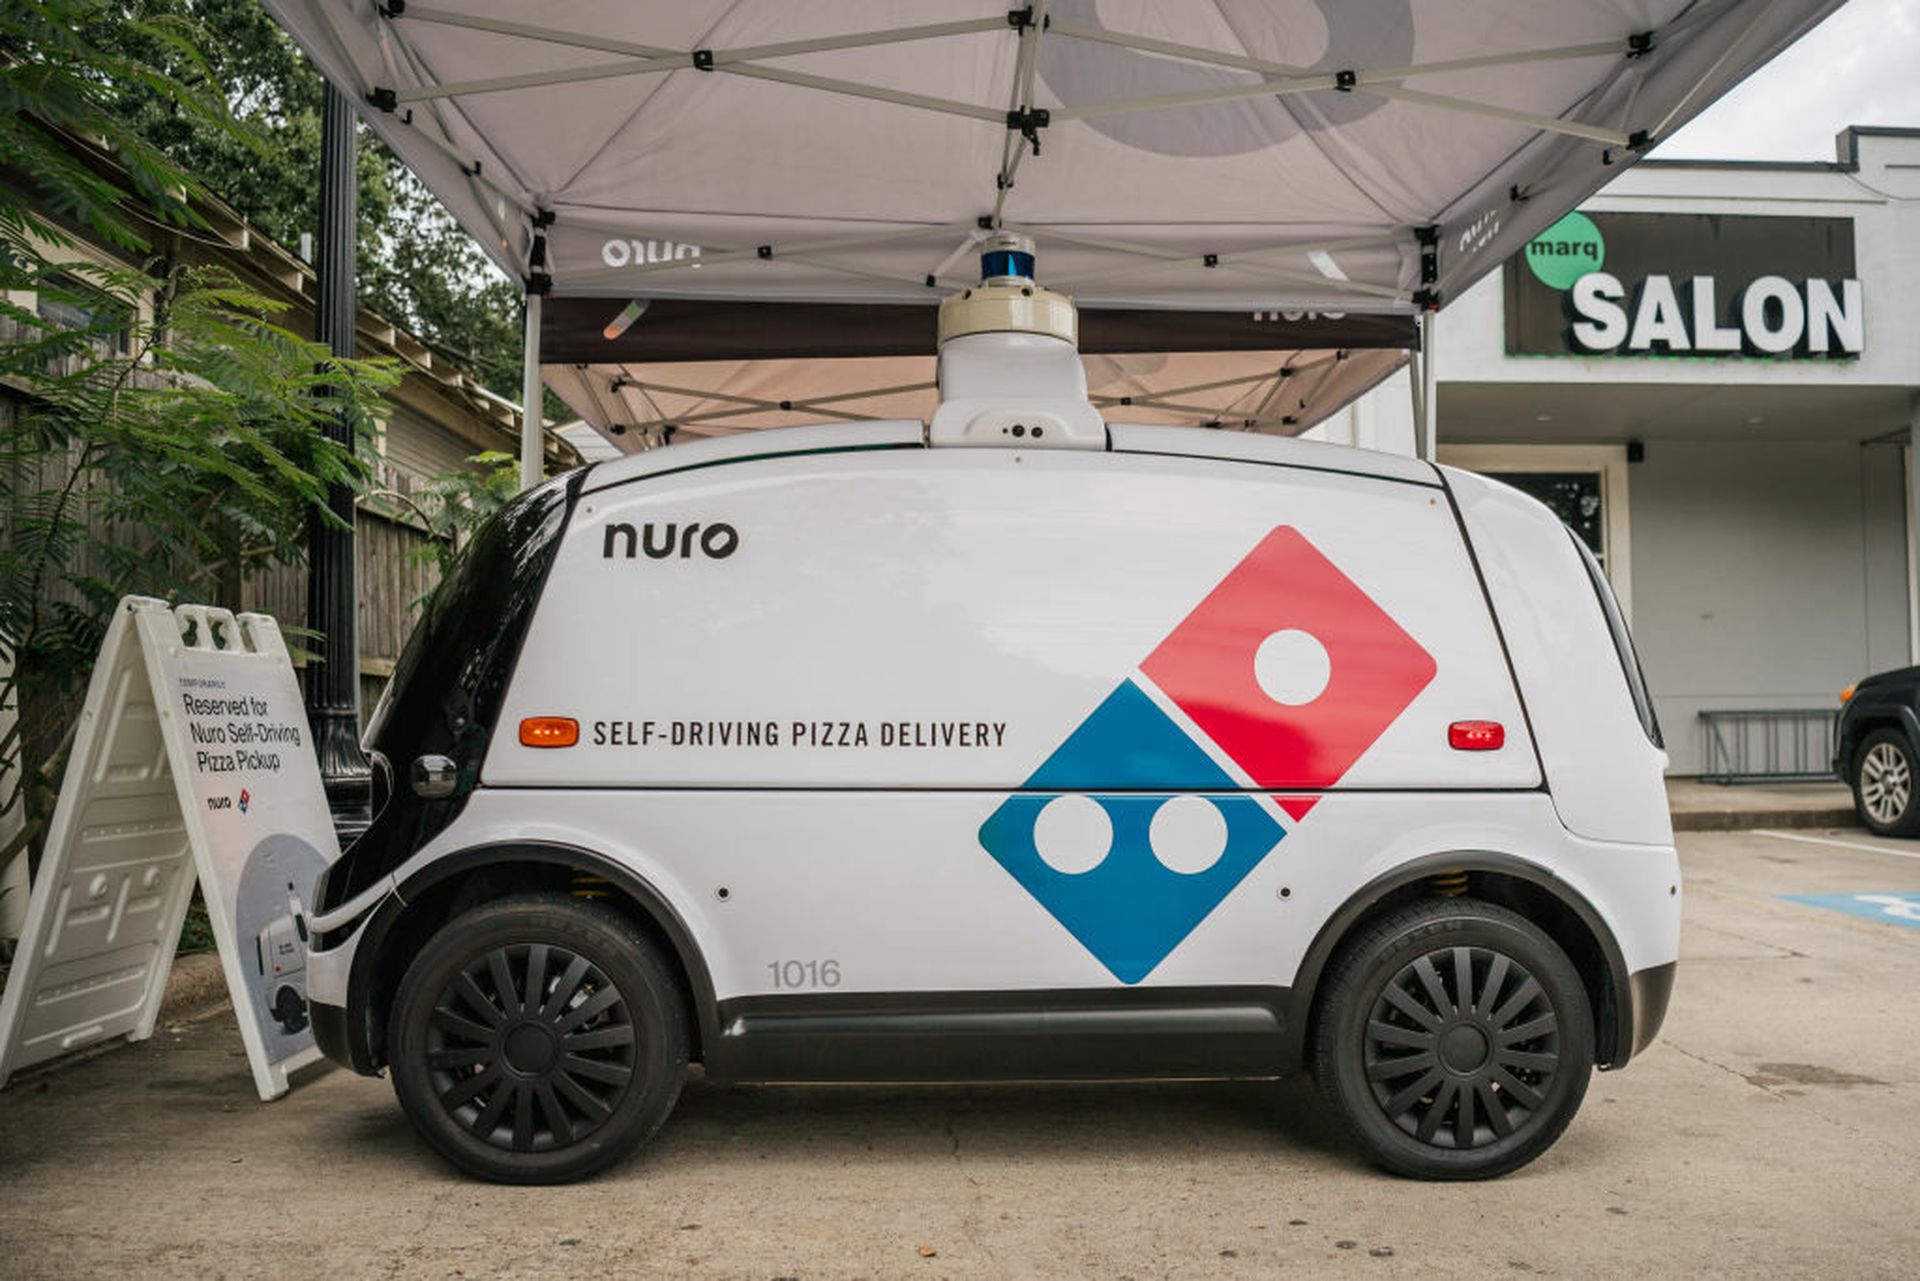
1644,284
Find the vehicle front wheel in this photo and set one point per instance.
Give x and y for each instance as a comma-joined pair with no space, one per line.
1456,1038
538,1039
1883,784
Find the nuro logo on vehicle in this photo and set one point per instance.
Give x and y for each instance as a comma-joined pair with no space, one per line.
716,541
1284,674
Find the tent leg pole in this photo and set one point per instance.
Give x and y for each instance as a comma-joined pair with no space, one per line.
1416,385
1429,415
532,442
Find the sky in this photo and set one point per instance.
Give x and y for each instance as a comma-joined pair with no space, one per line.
1859,67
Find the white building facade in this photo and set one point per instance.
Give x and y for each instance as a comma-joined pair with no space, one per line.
1712,371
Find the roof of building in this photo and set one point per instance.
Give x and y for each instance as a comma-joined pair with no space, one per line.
227,238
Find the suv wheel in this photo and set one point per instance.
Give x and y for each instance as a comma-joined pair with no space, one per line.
538,1039
1883,784
1456,1038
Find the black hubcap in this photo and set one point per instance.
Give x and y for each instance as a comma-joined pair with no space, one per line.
1461,1047
531,1047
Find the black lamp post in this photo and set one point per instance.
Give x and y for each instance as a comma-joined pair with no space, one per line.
333,682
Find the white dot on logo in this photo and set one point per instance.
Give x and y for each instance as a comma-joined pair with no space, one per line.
1292,667
1188,834
1073,834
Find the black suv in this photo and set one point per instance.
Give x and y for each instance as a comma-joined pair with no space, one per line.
1876,742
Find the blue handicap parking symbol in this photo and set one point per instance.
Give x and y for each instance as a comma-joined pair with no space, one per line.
1896,909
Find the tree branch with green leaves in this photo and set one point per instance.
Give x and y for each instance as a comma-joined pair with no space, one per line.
160,429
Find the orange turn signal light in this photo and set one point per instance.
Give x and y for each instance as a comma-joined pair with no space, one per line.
1476,736
1846,694
549,731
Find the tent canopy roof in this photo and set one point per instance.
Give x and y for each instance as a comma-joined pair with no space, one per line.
1347,155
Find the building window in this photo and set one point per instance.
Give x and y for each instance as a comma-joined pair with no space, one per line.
66,302
1574,496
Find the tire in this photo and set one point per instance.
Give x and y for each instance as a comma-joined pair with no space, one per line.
1407,1062
290,1010
1886,788
546,1089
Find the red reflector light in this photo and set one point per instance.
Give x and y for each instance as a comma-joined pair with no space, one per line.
549,731
1476,736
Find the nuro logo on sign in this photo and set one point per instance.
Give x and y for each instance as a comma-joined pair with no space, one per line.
1688,284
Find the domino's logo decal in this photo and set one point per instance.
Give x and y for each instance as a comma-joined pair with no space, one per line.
1285,674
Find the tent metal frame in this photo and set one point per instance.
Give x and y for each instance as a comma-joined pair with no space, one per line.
650,60
1286,272
1022,118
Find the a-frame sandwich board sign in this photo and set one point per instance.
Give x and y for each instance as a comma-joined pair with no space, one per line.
192,757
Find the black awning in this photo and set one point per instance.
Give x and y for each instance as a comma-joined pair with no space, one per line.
573,331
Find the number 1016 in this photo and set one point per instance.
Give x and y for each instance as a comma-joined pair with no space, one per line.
798,974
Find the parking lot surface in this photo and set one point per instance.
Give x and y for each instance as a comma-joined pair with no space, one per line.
1773,1129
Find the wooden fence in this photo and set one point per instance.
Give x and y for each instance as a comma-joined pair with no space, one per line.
394,571
393,550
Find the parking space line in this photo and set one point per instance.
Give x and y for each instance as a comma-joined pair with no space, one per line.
1828,840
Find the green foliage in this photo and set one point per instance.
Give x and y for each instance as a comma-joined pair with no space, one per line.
416,266
267,163
169,439
456,503
53,77
426,274
196,930
466,499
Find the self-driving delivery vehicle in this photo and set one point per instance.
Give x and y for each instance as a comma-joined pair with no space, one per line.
281,953
1012,746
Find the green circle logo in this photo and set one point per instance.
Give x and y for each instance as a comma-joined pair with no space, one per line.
1566,251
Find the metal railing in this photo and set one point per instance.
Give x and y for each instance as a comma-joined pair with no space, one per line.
1777,745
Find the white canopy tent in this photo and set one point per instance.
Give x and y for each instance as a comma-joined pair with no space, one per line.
1321,156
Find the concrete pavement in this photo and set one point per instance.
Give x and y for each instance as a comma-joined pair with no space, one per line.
1774,1129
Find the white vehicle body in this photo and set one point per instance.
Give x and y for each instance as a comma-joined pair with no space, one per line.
1019,746
796,745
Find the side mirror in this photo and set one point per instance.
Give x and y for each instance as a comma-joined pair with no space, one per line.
434,777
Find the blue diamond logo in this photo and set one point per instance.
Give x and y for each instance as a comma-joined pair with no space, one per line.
1129,873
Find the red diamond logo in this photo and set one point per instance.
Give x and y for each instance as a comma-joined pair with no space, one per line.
1290,668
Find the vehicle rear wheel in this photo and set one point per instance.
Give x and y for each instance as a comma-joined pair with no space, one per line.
1884,791
1456,1038
538,1039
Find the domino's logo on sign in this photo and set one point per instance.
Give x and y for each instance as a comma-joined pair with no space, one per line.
1286,673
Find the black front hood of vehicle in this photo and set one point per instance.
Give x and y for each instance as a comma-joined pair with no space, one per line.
451,680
